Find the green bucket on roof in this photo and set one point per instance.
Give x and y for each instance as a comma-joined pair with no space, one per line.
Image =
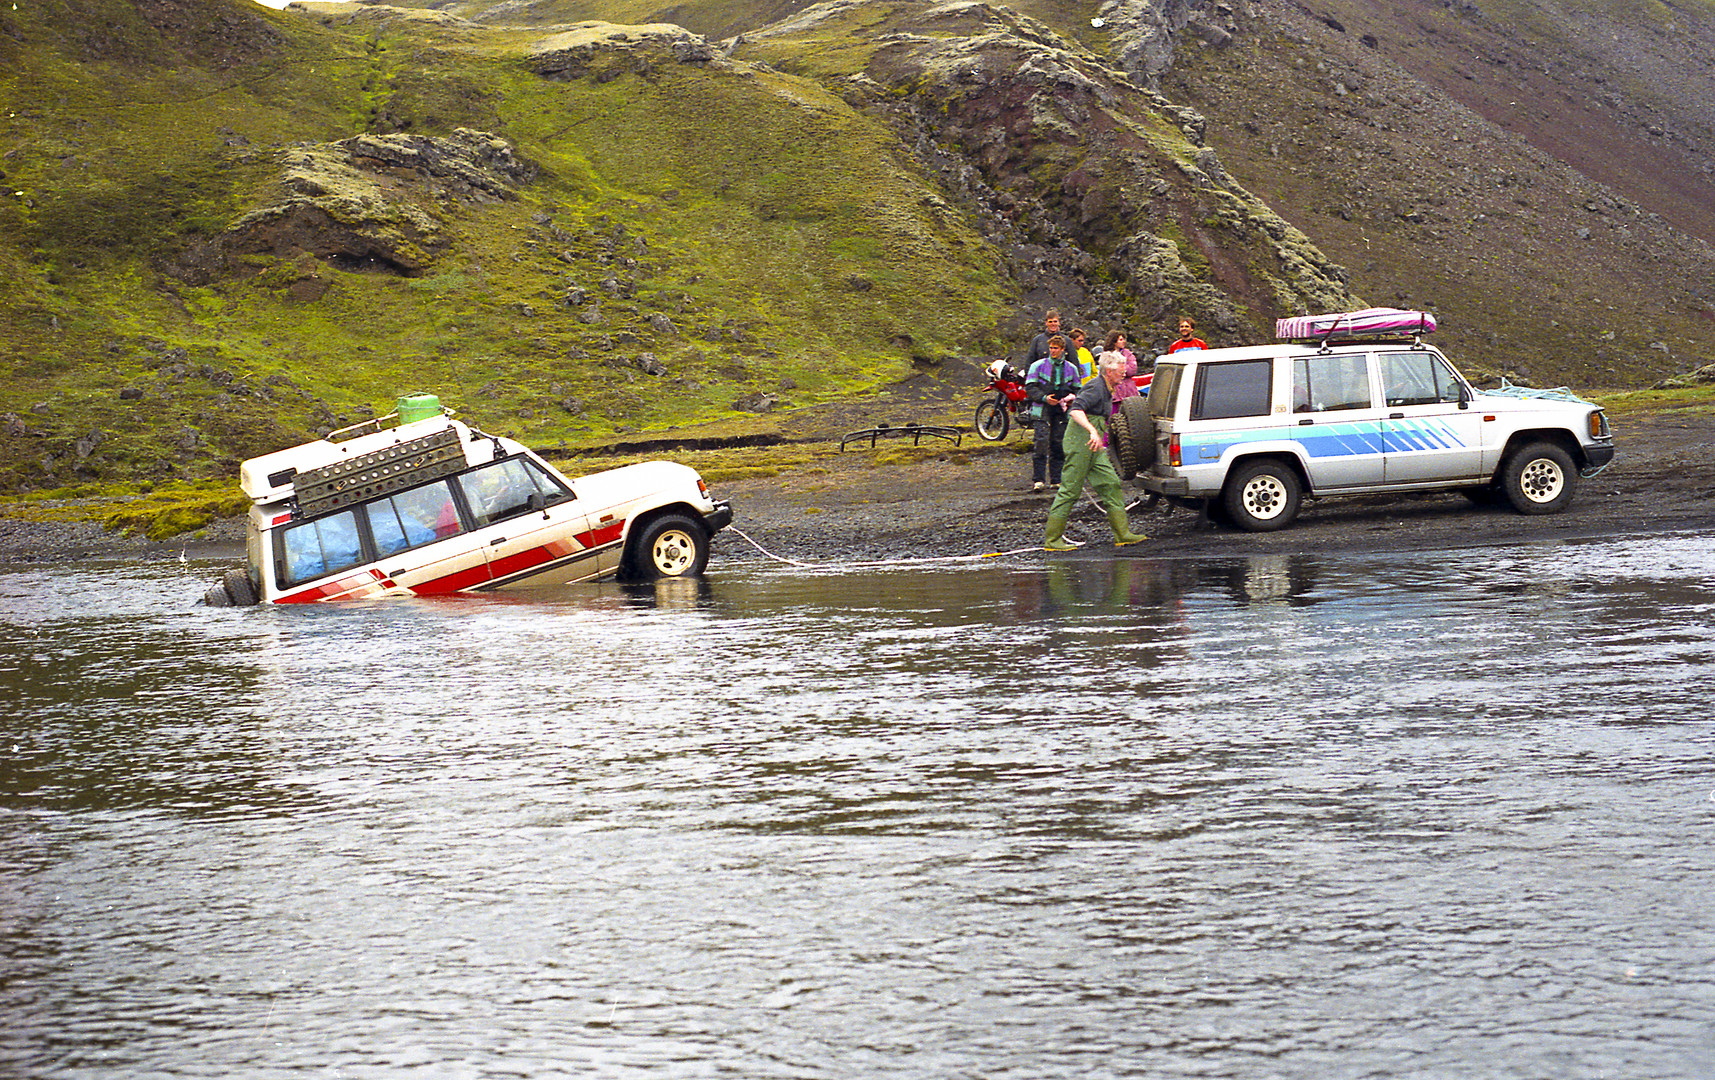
413,407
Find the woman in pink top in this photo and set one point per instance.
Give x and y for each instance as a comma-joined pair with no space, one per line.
1125,388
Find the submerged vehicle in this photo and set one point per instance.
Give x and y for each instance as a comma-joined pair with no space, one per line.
430,505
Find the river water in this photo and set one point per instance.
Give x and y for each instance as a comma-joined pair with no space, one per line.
1442,814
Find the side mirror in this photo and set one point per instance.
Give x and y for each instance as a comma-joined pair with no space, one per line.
539,502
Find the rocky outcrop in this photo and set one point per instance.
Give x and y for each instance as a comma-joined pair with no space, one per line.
377,201
605,50
1146,34
1098,191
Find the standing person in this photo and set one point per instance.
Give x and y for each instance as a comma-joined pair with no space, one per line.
1079,355
1126,388
1050,383
1038,349
1087,459
1188,338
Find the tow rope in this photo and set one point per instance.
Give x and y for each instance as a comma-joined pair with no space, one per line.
921,561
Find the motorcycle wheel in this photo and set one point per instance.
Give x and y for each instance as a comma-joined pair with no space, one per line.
993,421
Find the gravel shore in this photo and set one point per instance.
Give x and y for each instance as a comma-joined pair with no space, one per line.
978,501
974,499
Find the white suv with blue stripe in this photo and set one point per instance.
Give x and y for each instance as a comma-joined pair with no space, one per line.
1255,430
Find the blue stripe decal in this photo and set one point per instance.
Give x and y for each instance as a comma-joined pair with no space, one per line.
1330,440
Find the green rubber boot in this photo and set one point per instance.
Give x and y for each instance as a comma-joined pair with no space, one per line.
1055,538
1123,536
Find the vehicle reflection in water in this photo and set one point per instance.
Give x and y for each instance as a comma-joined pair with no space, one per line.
1303,817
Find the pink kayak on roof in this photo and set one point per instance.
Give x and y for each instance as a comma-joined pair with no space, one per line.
1369,322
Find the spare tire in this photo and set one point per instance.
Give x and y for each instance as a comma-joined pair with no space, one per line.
238,587
1140,425
1120,450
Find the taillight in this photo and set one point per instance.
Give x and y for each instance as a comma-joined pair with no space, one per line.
1173,461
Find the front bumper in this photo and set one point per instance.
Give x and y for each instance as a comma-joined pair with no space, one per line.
718,518
1597,457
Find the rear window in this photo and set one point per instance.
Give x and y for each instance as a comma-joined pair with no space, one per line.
1237,388
1164,390
312,549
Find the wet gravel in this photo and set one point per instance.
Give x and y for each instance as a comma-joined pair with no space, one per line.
975,500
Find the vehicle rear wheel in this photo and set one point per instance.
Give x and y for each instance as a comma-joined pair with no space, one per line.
993,420
238,586
1539,479
1263,496
670,546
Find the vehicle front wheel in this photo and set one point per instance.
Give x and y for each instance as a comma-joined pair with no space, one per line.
670,546
1263,496
993,421
1539,479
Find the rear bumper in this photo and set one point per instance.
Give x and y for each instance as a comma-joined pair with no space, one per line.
1165,485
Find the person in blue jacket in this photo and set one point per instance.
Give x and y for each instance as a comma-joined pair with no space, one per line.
1050,384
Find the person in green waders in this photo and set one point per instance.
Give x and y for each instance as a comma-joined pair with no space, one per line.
1086,446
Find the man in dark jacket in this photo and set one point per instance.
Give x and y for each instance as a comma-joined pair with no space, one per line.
1049,384
1038,349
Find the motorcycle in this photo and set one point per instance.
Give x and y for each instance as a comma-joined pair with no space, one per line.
995,414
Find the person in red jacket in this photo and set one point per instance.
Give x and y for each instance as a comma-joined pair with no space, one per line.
1188,338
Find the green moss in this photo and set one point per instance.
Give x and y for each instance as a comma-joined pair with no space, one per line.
1629,403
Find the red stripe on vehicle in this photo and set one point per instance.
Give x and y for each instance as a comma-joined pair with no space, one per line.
607,534
524,560
334,589
464,579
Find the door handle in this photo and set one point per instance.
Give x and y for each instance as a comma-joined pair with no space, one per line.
497,540
1396,416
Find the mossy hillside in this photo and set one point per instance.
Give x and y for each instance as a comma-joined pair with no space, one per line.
156,514
799,268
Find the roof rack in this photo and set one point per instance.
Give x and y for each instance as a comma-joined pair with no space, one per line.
379,472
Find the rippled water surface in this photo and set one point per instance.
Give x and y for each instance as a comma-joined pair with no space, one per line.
1432,815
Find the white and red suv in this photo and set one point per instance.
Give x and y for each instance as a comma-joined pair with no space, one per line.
432,505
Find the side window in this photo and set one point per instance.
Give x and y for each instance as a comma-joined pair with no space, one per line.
1331,383
1239,388
419,516
324,546
1417,378
502,490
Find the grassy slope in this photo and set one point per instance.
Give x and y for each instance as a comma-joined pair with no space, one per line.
773,225
781,232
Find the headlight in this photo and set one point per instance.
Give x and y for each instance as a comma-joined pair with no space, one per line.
1598,424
